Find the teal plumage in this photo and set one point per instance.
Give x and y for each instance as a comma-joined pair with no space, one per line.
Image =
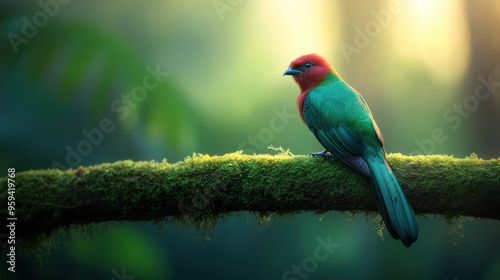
343,124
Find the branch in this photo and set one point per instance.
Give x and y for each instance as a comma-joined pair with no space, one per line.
202,188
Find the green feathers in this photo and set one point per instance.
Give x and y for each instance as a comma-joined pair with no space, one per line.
341,121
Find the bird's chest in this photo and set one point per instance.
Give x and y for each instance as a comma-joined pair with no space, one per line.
329,109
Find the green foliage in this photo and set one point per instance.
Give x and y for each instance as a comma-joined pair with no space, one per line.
72,75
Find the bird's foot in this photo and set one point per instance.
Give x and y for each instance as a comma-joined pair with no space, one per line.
321,154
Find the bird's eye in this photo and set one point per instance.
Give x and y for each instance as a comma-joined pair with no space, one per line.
308,65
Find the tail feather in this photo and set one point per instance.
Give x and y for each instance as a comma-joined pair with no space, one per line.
395,210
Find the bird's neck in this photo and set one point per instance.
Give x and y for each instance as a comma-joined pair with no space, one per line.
328,78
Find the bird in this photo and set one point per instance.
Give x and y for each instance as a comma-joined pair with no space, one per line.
343,124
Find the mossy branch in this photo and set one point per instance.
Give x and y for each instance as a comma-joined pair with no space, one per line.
202,188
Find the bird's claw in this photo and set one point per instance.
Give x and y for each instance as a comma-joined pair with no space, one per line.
321,154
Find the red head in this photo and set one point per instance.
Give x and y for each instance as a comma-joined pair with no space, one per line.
308,71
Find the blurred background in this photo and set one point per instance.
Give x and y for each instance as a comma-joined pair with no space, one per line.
86,82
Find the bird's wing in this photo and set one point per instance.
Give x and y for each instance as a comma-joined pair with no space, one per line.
335,136
374,124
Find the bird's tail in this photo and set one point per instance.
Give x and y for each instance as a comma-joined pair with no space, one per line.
395,210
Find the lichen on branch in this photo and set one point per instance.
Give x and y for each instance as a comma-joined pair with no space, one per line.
199,190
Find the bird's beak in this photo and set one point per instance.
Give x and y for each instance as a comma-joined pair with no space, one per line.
291,71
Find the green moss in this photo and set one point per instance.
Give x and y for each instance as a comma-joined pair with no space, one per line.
199,191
